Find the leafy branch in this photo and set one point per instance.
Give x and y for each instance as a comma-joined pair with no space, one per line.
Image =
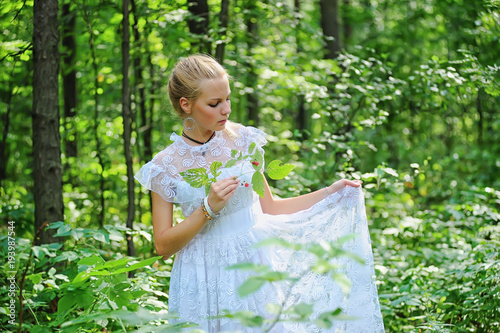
323,252
201,177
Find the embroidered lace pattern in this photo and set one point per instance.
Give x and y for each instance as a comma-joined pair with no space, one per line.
201,287
162,174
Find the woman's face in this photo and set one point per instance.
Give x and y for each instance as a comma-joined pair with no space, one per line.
211,110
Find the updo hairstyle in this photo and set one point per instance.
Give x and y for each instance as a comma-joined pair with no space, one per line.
187,77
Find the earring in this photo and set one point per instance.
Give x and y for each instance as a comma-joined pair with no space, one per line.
186,127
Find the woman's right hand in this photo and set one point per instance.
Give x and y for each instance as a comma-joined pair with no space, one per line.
221,191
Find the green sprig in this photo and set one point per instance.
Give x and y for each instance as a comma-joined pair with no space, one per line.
199,177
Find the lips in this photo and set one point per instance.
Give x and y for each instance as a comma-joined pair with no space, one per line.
222,121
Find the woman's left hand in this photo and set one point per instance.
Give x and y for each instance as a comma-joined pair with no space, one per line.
340,184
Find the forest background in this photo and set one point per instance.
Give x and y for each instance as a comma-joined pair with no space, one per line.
401,94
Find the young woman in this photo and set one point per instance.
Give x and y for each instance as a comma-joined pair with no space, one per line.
220,229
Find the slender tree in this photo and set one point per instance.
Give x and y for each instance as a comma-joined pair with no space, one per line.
127,123
98,150
224,20
252,38
331,27
5,129
302,118
47,169
346,22
198,23
140,114
69,78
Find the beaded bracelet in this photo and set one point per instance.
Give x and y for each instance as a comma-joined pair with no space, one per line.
204,209
327,192
207,210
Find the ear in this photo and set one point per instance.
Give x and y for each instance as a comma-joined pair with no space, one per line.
185,105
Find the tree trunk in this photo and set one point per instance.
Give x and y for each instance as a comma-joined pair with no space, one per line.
480,122
198,23
127,124
252,38
97,78
302,118
331,27
224,20
5,131
139,95
47,168
347,25
69,78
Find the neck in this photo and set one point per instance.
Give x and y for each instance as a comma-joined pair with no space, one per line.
199,139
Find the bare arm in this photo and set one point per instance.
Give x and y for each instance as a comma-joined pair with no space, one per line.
169,238
274,206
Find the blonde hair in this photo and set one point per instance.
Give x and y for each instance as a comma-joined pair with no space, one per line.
187,77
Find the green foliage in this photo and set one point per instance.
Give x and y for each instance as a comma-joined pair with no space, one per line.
409,107
198,177
439,267
84,285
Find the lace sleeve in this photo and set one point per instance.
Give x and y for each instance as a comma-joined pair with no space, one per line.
161,176
249,134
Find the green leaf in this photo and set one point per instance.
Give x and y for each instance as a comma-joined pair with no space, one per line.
251,285
279,242
55,225
355,257
344,239
214,167
257,157
302,310
343,281
135,266
66,302
277,171
64,230
248,266
251,147
274,276
101,236
89,261
231,163
258,183
234,153
196,177
35,278
273,308
113,263
492,90
248,318
84,300
326,319
77,233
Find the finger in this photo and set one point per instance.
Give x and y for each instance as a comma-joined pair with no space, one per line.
228,180
221,184
227,190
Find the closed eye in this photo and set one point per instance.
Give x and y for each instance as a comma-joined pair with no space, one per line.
216,104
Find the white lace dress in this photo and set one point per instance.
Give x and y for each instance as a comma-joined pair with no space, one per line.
201,287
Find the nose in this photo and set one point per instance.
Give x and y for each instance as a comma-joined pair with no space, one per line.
226,107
